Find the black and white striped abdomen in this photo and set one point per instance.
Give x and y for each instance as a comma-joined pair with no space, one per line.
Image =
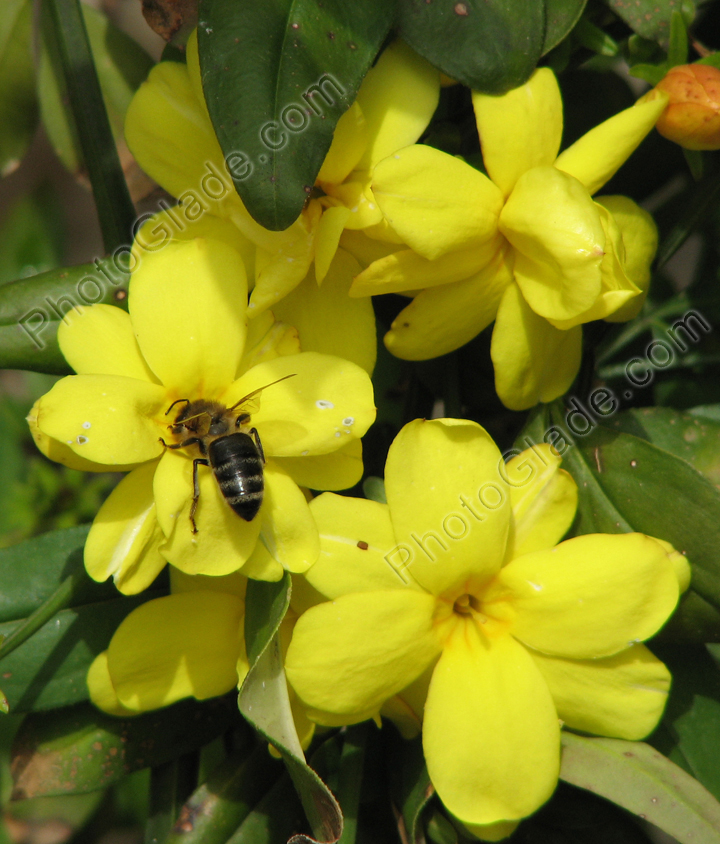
238,469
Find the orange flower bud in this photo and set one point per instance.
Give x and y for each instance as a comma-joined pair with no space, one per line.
692,118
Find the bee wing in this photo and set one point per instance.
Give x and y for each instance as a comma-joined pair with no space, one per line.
251,402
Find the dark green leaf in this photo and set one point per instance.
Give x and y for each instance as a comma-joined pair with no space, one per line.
275,818
678,46
80,749
648,18
626,483
18,104
650,73
692,714
31,309
70,59
277,77
638,778
491,47
560,17
265,704
350,778
220,805
593,38
410,785
171,783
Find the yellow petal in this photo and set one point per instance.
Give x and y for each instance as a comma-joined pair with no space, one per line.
223,541
233,584
329,230
435,202
102,692
105,418
174,647
441,319
595,158
357,197
406,270
287,527
352,654
621,696
356,544
492,831
268,340
544,500
591,596
449,506
521,129
533,360
640,239
328,320
559,240
340,469
260,565
398,97
187,304
366,249
99,340
169,133
348,144
288,255
491,735
125,537
327,403
61,452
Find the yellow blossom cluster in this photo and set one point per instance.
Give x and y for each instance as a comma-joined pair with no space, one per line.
240,379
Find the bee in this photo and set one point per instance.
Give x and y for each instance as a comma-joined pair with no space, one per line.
231,449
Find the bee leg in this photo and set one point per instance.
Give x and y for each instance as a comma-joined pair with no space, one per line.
191,441
199,461
256,437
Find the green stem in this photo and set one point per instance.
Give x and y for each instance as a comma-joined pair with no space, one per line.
352,762
112,199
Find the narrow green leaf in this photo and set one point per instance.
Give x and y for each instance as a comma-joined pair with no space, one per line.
650,73
713,60
638,778
560,17
678,44
410,785
171,783
277,77
491,47
265,704
31,237
350,777
80,749
218,807
440,830
699,206
18,103
115,209
31,310
595,39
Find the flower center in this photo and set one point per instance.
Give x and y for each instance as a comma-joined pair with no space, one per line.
468,605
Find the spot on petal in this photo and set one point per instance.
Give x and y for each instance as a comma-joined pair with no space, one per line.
86,425
324,405
81,440
349,420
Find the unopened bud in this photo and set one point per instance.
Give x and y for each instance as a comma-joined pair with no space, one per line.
692,118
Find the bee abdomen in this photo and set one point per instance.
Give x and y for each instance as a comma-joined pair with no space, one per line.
238,470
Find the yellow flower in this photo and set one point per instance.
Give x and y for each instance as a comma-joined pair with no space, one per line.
168,130
186,338
459,575
527,247
190,643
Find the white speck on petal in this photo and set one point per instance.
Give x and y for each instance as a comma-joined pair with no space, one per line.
349,420
81,440
371,206
324,405
337,433
536,586
69,442
86,425
305,453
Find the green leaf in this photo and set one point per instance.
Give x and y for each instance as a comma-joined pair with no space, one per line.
491,47
218,807
18,103
31,310
80,749
277,77
638,778
678,45
265,704
650,73
69,72
648,18
628,484
560,17
48,670
374,489
350,777
692,716
595,39
31,236
410,785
